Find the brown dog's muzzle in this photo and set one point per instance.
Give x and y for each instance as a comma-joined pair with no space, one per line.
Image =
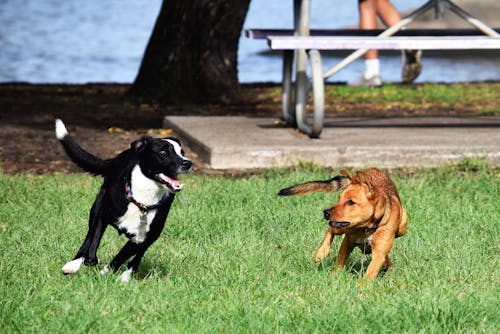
328,216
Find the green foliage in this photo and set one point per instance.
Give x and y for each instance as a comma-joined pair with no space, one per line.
235,258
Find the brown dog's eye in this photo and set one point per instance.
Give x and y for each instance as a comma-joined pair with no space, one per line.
350,202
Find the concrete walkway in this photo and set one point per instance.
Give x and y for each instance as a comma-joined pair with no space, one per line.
244,142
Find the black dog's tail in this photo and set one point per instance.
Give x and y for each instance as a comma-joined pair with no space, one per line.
85,160
335,184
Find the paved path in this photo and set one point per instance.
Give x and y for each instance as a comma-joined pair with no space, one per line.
245,142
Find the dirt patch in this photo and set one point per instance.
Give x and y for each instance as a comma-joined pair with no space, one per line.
105,123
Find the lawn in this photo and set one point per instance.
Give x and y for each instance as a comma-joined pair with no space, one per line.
235,258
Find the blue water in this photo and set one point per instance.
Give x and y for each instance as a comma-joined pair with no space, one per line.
54,41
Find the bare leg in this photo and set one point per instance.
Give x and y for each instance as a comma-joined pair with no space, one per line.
387,12
368,12
368,20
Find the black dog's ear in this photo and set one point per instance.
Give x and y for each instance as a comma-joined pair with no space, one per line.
140,144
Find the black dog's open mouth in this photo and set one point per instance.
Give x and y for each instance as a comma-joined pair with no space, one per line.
339,224
171,183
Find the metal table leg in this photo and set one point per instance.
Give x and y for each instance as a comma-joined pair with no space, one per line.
318,90
472,20
288,113
301,81
302,9
301,16
314,127
295,108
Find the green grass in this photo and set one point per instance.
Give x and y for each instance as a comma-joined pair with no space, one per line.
481,98
452,94
235,258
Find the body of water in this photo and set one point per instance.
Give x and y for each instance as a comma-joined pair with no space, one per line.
50,41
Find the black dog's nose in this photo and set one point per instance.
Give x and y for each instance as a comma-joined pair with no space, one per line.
186,164
328,214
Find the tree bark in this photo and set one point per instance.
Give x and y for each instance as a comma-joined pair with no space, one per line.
191,56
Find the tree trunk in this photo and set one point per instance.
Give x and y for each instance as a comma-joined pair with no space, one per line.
191,56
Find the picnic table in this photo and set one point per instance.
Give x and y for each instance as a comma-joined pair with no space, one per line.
301,47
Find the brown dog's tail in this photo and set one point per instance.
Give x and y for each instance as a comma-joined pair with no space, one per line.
337,183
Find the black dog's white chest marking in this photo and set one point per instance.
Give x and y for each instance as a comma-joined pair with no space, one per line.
134,222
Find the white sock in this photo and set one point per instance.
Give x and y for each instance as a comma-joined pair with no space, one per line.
372,67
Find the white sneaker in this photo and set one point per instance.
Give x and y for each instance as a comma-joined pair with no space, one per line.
364,81
412,65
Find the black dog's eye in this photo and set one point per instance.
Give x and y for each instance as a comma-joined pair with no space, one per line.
350,202
163,152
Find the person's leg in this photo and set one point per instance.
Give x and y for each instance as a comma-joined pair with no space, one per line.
411,58
368,12
368,20
387,12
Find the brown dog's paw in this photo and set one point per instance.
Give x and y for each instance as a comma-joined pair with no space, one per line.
364,281
335,271
320,255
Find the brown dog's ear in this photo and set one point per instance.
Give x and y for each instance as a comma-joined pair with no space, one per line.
346,173
382,208
360,178
370,194
140,144
391,209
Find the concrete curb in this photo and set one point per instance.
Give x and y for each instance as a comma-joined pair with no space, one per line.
234,142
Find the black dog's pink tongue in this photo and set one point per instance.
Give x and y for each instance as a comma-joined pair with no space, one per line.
174,184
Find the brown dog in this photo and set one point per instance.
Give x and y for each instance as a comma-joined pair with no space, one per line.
369,213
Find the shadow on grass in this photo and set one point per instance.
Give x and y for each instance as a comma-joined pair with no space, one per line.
356,268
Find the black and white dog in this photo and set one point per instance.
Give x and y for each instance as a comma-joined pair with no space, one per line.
138,189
